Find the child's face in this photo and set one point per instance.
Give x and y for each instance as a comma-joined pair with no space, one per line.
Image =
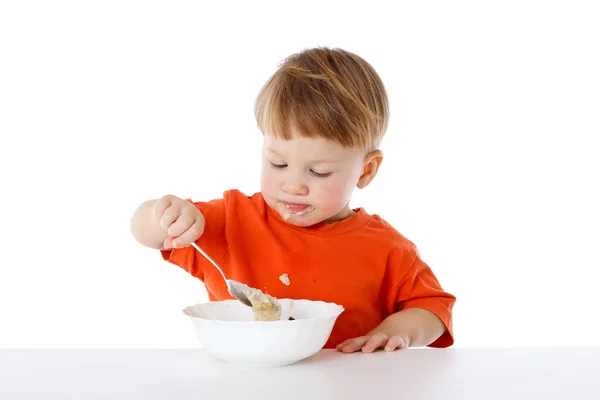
308,181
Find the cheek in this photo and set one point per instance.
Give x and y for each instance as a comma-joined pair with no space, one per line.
334,193
267,180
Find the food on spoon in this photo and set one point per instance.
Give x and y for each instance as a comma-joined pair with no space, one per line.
264,307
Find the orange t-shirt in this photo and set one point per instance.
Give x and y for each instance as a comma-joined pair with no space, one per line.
361,263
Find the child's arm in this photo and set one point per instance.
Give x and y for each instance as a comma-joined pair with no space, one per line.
413,327
167,223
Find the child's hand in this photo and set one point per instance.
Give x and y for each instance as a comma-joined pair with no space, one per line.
182,220
371,342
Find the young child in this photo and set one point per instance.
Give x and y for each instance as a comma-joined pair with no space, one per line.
323,114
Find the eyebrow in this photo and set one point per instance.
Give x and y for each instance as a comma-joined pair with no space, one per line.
311,162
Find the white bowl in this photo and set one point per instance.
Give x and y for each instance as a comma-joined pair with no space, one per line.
227,330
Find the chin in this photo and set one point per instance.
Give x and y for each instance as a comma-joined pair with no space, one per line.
297,221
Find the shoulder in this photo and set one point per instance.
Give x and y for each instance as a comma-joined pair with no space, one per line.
232,201
236,199
402,258
380,230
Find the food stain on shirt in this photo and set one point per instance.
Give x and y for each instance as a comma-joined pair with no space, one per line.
285,279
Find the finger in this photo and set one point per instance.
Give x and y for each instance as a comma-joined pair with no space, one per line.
352,345
395,342
191,234
161,206
344,344
349,346
341,345
168,243
181,224
405,344
376,341
169,216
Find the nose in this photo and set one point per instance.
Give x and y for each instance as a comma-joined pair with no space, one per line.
294,186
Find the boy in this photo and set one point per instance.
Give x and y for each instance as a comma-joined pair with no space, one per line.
323,114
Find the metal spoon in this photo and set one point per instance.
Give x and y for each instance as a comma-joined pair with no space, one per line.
235,288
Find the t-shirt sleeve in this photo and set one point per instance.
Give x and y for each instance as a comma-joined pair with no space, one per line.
213,241
417,287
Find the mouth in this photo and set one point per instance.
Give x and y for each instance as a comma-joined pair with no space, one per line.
294,207
289,210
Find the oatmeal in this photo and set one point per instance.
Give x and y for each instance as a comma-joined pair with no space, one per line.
287,214
264,307
285,279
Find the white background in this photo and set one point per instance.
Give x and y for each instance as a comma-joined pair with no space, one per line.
491,164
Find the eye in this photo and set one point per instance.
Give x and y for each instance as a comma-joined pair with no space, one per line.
278,166
319,175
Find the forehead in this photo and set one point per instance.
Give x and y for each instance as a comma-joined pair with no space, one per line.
308,148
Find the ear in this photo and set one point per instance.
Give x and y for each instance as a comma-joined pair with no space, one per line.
373,160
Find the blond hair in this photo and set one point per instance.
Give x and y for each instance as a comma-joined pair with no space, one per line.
327,93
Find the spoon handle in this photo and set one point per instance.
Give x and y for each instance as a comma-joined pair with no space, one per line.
210,259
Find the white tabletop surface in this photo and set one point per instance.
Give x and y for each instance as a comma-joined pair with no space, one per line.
517,373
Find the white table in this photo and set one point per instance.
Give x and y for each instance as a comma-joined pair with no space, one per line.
517,373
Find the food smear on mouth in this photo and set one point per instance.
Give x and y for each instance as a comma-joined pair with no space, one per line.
288,210
295,208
